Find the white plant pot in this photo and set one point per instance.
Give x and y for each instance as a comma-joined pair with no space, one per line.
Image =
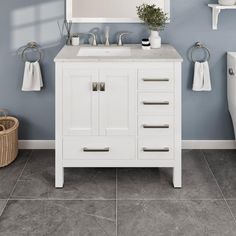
227,2
155,39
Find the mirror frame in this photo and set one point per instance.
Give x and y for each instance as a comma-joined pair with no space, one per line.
70,18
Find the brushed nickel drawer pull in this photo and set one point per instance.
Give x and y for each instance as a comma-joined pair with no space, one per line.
166,149
156,126
107,149
102,86
95,86
156,80
156,103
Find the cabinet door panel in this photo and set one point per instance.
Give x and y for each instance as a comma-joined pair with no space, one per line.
118,102
80,102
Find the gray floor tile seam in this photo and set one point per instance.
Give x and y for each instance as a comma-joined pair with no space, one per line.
1,212
219,187
208,166
60,199
31,152
7,200
172,200
116,202
115,199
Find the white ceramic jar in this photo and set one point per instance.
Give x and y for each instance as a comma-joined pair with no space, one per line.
75,41
227,2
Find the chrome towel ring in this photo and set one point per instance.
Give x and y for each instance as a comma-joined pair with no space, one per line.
31,46
196,46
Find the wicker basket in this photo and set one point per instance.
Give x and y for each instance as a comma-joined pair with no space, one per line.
8,139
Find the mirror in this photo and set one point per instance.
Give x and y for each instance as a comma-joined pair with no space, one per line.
112,11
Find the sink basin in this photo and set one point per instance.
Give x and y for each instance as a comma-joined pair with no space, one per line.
104,52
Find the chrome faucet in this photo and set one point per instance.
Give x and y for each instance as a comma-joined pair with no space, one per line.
107,36
94,43
120,43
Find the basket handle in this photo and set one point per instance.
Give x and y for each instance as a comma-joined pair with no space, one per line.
4,112
3,127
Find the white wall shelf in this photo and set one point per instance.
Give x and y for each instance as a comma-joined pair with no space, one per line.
216,9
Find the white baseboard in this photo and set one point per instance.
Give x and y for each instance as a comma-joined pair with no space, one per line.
186,144
36,144
209,144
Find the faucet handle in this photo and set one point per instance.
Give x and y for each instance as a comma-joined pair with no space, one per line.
120,43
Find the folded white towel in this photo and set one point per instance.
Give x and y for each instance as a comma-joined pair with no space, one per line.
32,80
202,79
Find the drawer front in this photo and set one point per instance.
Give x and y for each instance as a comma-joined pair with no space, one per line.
155,125
99,148
161,79
156,147
156,103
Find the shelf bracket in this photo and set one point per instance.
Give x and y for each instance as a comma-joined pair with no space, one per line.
215,17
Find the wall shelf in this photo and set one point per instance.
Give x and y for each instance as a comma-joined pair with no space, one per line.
216,9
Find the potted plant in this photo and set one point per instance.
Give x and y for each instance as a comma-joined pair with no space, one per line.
156,20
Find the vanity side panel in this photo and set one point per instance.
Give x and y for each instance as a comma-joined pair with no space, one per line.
59,175
177,172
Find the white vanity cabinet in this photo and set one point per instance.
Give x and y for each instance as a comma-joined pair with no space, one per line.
118,113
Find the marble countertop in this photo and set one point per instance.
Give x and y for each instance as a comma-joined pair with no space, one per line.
166,53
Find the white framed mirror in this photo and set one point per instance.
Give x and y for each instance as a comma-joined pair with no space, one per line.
112,11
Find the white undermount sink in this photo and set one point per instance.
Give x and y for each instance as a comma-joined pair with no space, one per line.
104,52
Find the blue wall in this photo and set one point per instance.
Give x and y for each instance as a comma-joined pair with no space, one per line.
205,115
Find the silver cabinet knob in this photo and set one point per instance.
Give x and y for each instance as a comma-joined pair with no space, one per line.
231,71
95,86
102,86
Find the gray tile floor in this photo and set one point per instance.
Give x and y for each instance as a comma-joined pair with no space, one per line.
119,202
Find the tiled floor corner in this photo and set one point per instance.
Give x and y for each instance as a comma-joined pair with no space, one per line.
122,202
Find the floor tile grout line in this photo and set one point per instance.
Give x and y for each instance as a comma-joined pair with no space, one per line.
30,155
7,200
116,201
219,187
1,212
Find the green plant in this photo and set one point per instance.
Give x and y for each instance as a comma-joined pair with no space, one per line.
153,16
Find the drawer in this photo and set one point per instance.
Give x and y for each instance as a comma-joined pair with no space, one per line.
155,125
156,147
161,79
156,103
97,148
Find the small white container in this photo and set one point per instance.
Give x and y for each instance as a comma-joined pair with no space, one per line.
227,2
75,41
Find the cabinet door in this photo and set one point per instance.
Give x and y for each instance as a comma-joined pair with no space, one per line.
117,107
80,102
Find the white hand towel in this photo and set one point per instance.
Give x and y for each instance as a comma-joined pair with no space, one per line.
206,77
32,80
201,80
